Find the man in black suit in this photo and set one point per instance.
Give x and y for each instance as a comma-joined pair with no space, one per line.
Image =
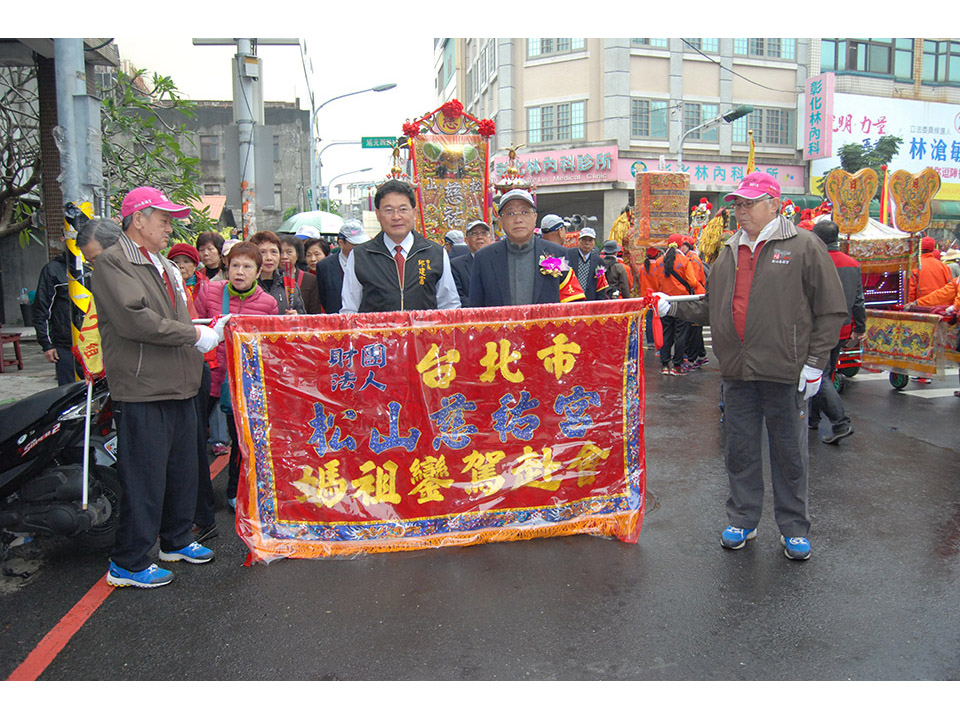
478,235
518,270
584,259
330,269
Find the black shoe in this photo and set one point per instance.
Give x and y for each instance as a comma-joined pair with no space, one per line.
836,436
205,533
813,424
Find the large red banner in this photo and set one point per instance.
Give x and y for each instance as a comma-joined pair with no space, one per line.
397,431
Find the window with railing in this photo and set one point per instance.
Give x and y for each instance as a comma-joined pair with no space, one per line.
941,62
556,123
648,119
771,126
543,47
695,114
889,57
783,48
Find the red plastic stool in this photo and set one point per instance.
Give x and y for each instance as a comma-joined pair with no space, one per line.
13,338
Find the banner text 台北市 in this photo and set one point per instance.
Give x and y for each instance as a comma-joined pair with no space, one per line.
397,431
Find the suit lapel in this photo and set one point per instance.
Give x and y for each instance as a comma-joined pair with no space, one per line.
503,272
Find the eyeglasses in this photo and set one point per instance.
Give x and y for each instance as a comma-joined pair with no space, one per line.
396,211
520,213
747,204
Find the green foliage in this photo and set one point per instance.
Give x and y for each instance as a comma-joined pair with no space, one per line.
290,212
140,147
854,157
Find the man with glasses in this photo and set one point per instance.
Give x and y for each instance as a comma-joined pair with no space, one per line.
520,269
398,269
775,306
478,235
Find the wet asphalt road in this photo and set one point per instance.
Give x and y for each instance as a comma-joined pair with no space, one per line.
878,600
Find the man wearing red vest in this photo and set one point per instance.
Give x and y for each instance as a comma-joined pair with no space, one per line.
775,307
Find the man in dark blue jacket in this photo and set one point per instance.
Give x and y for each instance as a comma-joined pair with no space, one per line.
516,270
584,260
53,309
330,269
478,235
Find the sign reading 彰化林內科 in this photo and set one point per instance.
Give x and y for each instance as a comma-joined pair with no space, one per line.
398,431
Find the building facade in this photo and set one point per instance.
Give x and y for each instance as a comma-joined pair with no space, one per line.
282,159
587,114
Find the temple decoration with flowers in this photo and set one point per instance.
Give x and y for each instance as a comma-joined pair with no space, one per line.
451,158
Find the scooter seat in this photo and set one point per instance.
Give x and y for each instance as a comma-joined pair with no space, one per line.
18,416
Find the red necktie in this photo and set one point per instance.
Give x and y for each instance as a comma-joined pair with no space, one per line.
399,258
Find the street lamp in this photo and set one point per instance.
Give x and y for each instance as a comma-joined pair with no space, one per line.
340,176
738,112
316,134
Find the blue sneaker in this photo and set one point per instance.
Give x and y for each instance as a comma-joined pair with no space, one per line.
151,577
796,548
734,538
194,553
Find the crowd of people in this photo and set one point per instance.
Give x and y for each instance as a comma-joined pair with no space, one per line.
167,374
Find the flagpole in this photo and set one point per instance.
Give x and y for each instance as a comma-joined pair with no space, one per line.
86,446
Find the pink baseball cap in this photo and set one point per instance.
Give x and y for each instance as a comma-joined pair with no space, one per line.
755,185
143,197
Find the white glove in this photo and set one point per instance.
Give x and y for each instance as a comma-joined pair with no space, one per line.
663,305
218,327
208,339
810,378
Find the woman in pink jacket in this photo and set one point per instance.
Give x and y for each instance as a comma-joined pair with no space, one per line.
239,294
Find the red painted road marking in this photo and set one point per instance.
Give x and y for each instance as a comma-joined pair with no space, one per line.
54,641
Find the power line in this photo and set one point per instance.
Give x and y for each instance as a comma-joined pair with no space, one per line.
734,72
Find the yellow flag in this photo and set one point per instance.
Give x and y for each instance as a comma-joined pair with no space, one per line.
751,161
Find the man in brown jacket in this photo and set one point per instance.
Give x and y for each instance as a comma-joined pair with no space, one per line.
153,358
775,306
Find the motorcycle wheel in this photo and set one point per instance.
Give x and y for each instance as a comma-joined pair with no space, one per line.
102,536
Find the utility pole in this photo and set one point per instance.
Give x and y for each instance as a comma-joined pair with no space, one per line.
247,113
78,125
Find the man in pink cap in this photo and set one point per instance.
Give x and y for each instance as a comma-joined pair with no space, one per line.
153,357
775,307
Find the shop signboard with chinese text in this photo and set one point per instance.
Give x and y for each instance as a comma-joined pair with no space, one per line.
930,133
397,431
818,116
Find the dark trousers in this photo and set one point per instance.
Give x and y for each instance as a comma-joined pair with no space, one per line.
827,400
66,366
157,465
233,469
747,406
695,347
204,515
674,340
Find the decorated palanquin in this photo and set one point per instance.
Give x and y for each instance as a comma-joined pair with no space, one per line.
909,343
661,206
398,431
450,152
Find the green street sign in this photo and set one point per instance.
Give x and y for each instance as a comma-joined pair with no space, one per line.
378,142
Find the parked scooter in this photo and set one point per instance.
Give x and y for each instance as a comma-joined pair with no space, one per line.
41,467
